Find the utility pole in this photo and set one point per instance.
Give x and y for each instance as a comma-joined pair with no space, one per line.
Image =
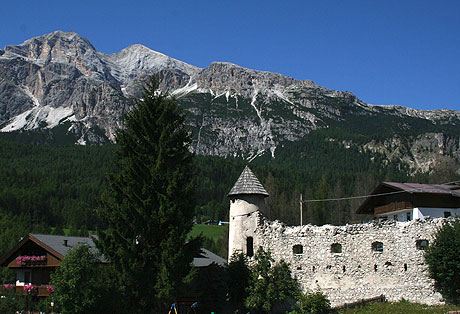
301,209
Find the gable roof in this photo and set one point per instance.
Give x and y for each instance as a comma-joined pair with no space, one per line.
247,183
453,190
206,258
54,244
450,191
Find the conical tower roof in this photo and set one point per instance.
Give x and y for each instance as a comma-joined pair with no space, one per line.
247,183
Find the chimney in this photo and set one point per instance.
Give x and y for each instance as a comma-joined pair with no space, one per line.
65,243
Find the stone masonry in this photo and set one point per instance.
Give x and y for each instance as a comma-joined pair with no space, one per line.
348,263
372,259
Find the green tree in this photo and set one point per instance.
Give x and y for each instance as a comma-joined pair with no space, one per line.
148,208
443,259
271,288
81,284
321,213
238,280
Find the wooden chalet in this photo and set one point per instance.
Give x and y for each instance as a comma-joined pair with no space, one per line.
35,257
410,201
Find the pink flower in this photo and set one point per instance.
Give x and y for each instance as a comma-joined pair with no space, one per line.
24,260
50,289
29,288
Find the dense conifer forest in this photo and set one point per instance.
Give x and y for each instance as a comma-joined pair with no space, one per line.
47,187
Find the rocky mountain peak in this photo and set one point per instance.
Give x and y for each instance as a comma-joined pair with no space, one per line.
57,46
138,60
225,76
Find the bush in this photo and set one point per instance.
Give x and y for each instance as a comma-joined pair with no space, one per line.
271,288
12,303
315,302
443,259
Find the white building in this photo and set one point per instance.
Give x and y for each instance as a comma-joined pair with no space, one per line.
410,201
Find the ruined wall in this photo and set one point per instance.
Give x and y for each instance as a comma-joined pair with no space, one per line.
359,270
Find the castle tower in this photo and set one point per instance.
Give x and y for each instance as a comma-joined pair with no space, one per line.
247,198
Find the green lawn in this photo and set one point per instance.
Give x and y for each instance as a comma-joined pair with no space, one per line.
212,232
402,307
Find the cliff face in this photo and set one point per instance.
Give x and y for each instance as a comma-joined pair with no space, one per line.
61,79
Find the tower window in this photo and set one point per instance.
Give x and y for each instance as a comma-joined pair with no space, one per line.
336,248
421,244
377,246
250,247
297,249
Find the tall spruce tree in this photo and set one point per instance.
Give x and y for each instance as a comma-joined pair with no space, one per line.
148,209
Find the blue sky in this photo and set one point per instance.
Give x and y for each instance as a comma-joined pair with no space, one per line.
385,52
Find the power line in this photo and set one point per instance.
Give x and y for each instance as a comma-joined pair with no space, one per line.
364,196
351,197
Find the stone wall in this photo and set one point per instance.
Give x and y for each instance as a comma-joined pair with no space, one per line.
362,269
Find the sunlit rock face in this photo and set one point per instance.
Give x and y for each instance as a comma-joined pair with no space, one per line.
60,79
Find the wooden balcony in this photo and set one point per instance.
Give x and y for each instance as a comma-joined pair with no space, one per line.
39,291
392,207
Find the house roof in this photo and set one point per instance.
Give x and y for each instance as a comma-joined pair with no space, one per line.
453,190
63,244
206,258
54,244
247,183
410,188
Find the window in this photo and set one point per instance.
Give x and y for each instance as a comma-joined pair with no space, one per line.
297,249
336,248
447,214
250,247
421,244
408,216
27,277
377,246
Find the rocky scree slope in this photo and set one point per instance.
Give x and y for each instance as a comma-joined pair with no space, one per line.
60,79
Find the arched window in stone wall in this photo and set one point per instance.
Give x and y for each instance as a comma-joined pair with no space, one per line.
297,249
336,248
377,246
250,246
421,244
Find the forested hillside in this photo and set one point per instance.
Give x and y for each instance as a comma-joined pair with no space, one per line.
50,187
61,185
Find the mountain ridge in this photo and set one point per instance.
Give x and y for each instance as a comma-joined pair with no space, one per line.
60,79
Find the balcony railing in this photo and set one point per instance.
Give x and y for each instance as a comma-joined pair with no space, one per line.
39,291
392,207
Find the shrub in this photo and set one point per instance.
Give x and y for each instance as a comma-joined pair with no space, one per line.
443,259
315,302
271,288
